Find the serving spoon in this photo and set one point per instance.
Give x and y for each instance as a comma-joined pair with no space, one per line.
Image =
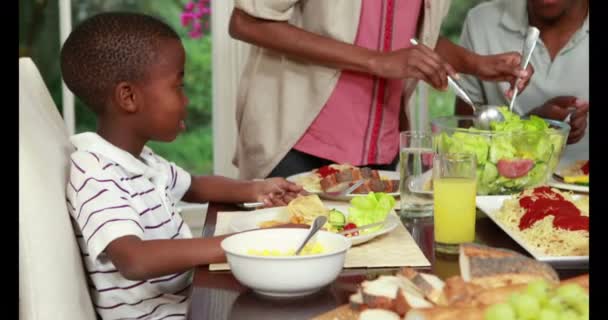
529,45
314,228
571,112
483,116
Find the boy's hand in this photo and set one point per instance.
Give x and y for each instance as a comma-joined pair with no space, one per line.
276,191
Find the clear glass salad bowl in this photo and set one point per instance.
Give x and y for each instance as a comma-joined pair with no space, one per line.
514,155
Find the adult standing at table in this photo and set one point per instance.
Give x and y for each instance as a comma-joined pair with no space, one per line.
325,79
560,61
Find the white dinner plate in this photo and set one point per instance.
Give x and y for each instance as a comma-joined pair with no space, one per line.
253,219
567,186
558,183
490,205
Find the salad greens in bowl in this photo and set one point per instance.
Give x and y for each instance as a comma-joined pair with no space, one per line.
513,155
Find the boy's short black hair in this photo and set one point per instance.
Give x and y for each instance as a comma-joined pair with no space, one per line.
109,48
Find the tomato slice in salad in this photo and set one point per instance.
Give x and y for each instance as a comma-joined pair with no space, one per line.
515,168
350,226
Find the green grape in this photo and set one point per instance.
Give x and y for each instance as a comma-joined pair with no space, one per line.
581,305
548,314
514,297
571,293
540,290
568,315
540,302
500,311
556,304
526,306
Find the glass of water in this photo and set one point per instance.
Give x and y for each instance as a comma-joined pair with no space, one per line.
416,174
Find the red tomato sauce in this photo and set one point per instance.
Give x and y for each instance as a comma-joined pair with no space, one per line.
326,171
546,202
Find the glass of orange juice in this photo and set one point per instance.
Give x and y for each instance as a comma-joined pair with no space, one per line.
455,189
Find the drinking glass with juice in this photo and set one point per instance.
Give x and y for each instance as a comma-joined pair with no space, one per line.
455,189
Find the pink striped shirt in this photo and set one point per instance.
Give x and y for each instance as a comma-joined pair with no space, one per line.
359,124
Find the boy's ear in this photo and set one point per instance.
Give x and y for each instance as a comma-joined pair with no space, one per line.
124,94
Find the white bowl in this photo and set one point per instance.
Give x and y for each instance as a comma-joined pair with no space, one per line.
284,276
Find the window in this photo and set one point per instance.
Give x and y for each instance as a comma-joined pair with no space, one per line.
39,39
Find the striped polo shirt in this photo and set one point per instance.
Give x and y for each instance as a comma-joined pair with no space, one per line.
111,194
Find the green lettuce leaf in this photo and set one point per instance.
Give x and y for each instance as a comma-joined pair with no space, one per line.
463,142
372,208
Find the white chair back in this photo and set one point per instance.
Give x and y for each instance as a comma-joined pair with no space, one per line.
52,282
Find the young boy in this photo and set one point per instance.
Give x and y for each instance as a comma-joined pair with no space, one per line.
138,253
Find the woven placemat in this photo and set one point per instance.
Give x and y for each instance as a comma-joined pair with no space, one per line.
395,249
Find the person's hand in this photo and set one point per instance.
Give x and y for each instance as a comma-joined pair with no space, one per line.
557,109
276,191
419,62
504,67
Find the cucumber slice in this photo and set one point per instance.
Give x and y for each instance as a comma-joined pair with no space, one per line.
336,218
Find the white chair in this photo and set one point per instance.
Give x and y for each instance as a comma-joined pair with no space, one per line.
52,282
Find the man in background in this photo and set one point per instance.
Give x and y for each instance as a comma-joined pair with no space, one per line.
561,61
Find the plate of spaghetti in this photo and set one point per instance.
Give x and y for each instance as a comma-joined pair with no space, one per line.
552,225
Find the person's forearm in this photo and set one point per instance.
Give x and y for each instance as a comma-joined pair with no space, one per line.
146,259
459,57
220,189
300,44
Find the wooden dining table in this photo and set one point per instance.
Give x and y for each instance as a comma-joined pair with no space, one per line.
218,295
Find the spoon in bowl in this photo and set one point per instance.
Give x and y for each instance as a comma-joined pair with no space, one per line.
483,116
314,228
